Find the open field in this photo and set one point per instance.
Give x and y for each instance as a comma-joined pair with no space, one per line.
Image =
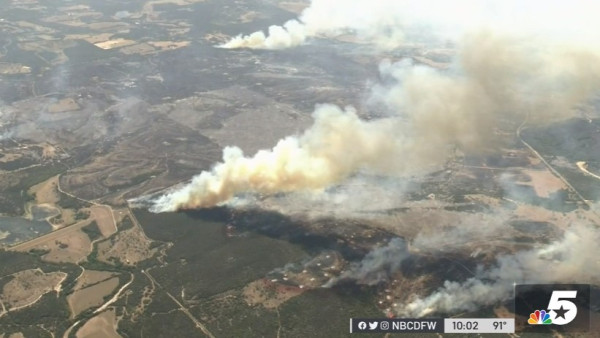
45,192
72,248
101,326
544,182
105,219
94,295
267,294
128,247
28,286
53,236
91,277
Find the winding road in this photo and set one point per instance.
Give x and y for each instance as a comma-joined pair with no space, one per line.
583,167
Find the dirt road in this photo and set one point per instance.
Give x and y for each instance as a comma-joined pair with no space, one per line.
181,307
583,167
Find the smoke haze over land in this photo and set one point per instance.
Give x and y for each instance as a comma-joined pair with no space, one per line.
494,78
378,265
392,23
573,259
515,63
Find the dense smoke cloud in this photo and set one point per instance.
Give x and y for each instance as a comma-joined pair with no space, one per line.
494,79
379,22
392,23
573,259
338,144
361,196
292,33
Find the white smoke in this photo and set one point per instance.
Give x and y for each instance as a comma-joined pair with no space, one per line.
292,33
327,17
338,144
392,23
574,258
386,23
494,79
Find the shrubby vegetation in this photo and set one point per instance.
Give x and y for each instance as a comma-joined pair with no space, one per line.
92,231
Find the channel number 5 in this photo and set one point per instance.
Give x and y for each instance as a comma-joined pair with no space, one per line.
564,311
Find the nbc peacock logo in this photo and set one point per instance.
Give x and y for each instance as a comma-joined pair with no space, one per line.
544,307
539,318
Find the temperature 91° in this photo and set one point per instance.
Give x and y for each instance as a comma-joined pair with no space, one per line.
499,325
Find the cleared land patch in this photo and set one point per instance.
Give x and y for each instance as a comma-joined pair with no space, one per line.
105,220
71,248
101,326
544,183
28,286
270,295
91,296
91,277
127,247
68,244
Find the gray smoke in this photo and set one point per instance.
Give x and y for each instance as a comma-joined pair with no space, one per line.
493,78
377,266
574,258
468,230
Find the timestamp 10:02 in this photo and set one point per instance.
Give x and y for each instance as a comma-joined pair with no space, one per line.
468,325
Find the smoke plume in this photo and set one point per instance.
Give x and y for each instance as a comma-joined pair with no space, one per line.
292,33
378,265
338,144
380,23
391,23
494,79
573,259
